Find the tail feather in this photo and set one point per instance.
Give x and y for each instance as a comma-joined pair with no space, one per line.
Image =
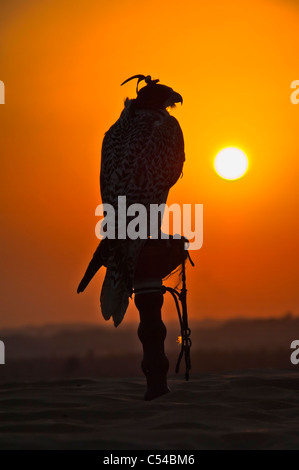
120,258
97,261
114,298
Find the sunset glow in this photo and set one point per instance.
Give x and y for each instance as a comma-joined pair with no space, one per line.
62,63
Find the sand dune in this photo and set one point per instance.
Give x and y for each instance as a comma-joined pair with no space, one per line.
249,410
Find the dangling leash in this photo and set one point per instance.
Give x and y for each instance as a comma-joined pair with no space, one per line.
180,300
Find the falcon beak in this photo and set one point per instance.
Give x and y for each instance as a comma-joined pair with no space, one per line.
176,98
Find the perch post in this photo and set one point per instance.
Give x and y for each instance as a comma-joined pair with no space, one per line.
158,258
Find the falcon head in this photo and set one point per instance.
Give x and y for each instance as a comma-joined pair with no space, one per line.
154,95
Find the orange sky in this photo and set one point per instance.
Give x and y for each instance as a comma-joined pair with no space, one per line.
233,62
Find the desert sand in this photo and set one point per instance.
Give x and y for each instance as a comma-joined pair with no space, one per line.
245,410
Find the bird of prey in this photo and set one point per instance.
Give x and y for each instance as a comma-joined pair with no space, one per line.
142,158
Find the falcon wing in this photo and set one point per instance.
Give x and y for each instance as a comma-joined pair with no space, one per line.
142,157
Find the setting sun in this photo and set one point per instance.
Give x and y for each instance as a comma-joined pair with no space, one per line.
231,163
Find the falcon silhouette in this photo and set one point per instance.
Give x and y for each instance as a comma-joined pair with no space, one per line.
142,158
